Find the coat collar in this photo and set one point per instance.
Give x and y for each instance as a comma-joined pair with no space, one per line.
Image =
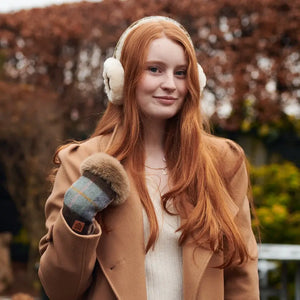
121,250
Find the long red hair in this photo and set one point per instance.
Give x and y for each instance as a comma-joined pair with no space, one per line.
196,180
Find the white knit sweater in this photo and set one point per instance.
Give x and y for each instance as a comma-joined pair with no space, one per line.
164,263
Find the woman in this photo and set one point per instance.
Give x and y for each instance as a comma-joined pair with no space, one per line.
184,230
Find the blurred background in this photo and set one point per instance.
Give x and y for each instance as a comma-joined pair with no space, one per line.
51,91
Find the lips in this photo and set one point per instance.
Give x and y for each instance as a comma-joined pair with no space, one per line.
165,100
165,97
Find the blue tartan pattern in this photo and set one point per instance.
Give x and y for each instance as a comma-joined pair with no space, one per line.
86,198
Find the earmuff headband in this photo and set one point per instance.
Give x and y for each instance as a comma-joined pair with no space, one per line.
113,72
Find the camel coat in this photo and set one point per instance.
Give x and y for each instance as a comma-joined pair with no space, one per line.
109,264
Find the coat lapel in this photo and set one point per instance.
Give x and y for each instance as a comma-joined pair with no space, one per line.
121,250
196,260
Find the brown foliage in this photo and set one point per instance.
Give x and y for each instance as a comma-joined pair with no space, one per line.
249,50
30,129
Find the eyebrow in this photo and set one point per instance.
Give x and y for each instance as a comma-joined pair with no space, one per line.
160,62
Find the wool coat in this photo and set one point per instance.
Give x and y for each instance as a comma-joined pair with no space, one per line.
109,263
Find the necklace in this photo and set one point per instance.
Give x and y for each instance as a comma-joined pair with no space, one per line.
163,169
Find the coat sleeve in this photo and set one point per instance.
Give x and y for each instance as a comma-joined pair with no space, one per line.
241,281
67,259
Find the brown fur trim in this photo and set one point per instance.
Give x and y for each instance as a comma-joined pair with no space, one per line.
111,171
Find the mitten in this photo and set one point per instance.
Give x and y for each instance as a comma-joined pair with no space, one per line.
103,181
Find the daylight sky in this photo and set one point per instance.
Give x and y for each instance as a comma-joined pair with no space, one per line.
15,5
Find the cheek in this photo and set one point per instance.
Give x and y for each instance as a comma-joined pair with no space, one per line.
183,89
148,84
142,90
143,84
183,93
181,103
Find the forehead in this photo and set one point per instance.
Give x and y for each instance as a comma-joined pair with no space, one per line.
166,50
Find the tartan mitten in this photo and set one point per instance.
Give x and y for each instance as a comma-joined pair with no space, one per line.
103,181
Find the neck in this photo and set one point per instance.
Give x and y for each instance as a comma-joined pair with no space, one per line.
154,133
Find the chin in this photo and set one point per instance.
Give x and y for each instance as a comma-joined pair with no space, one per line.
160,114
166,116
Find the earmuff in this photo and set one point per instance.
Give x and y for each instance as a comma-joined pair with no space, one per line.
113,72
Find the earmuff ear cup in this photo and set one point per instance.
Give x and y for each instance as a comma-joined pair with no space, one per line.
113,75
202,78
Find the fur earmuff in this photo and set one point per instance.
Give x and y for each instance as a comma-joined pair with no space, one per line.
113,72
113,75
202,78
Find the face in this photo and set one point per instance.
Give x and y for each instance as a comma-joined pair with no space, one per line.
162,88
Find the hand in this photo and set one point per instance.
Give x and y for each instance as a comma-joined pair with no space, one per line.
103,181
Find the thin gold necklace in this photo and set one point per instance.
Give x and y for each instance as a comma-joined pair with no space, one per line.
163,169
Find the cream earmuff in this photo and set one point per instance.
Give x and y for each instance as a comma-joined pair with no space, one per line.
113,72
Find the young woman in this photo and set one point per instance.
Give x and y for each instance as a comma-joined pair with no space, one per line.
151,206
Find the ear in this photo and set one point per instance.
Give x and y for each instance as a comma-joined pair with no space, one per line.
202,78
113,75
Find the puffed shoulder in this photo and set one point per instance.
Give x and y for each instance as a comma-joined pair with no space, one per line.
231,163
228,154
70,157
81,149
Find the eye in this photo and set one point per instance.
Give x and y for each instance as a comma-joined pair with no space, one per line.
153,69
181,73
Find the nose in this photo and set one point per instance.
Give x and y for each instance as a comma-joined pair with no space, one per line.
168,82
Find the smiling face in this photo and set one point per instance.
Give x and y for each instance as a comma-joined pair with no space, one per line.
162,88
